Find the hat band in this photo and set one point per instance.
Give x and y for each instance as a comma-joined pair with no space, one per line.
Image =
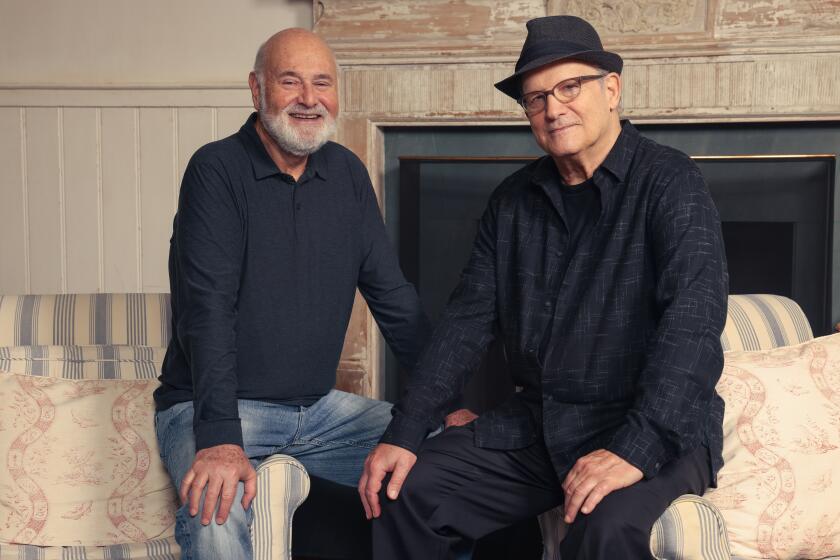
544,48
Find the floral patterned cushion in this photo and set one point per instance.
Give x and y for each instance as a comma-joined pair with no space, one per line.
79,461
779,489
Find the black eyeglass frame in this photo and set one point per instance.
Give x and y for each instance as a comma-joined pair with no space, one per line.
545,93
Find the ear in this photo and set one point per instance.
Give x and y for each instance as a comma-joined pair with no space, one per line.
612,83
254,84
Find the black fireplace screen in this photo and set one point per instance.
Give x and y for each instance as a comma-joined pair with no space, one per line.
776,213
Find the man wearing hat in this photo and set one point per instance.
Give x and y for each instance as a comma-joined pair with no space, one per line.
602,264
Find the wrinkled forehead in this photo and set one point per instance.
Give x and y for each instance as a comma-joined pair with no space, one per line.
302,54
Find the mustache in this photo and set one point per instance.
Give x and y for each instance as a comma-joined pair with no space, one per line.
318,110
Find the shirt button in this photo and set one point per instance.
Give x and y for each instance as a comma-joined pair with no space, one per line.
547,304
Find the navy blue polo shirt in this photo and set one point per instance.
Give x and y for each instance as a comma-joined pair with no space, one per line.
263,272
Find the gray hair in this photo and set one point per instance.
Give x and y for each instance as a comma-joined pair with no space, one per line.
259,62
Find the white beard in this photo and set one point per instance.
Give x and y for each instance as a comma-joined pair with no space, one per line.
298,140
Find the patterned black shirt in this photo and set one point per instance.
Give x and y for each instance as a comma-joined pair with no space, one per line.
633,314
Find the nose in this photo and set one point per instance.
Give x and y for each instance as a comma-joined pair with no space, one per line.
307,95
554,108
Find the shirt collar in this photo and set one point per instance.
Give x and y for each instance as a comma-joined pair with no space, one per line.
264,166
615,165
620,157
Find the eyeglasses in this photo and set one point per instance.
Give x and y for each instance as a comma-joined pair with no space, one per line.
564,92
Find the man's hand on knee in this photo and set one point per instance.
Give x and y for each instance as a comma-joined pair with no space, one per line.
594,476
219,468
384,458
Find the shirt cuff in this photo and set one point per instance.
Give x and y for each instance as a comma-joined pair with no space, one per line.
642,449
405,432
218,432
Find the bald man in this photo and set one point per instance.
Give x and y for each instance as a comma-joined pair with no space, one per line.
276,228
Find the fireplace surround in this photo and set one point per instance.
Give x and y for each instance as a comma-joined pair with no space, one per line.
776,209
694,63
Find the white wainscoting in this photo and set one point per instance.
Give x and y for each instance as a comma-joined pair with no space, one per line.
89,181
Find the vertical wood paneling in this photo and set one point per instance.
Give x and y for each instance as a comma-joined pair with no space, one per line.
230,119
13,270
195,128
81,210
120,259
156,202
44,200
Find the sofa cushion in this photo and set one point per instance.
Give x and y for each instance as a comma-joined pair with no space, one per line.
157,549
762,321
81,319
782,451
79,463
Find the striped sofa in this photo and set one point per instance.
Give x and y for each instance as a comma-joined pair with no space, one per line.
80,474
692,528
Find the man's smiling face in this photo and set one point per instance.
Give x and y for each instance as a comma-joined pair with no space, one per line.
298,93
579,127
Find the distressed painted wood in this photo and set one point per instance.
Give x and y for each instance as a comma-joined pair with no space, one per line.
645,17
442,24
720,89
809,18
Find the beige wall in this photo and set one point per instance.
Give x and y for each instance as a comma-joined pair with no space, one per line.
102,102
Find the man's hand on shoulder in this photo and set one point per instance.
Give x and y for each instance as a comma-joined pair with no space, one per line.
219,468
384,458
594,476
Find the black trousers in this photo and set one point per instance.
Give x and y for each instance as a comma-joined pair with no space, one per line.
458,492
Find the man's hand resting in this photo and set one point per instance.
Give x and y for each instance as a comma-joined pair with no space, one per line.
594,476
220,468
460,417
384,458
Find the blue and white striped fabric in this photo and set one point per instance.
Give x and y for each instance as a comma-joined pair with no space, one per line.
282,485
95,337
85,319
762,322
159,549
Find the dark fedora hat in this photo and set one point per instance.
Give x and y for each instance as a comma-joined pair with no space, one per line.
554,38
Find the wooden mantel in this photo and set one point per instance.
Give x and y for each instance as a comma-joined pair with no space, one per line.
434,62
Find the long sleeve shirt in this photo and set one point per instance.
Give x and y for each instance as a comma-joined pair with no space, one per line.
619,336
263,273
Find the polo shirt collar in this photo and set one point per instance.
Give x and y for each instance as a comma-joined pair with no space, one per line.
264,166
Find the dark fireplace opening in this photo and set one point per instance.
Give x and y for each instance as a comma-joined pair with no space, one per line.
773,186
760,257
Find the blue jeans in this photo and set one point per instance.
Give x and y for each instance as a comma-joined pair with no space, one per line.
331,438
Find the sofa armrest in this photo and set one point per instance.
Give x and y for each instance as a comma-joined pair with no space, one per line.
692,528
282,485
